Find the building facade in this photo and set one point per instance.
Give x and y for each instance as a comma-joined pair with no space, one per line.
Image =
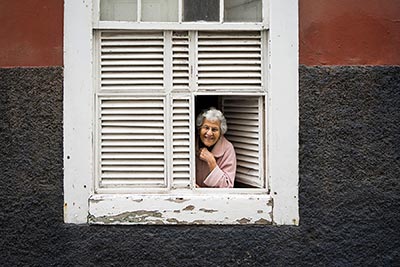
349,106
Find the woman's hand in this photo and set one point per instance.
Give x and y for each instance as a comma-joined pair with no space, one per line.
208,157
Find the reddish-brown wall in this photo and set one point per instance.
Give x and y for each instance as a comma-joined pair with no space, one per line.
349,32
31,33
339,32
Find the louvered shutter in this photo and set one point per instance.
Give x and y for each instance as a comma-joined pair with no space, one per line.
132,142
132,60
181,111
229,61
133,133
244,116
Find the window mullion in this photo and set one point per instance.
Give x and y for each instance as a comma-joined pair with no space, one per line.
96,12
139,10
221,11
168,105
264,60
193,60
180,10
168,140
168,75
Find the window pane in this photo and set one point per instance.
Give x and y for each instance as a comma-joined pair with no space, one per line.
118,10
196,10
243,10
160,10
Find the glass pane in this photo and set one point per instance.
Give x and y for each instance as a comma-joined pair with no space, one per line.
242,10
205,10
160,10
118,10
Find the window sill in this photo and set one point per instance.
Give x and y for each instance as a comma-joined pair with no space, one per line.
176,209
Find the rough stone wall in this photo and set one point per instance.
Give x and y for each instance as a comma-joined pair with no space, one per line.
349,184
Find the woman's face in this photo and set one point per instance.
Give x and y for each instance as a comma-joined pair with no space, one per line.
210,132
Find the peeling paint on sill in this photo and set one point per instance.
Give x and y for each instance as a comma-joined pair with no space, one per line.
188,208
175,210
129,217
208,210
263,221
177,200
243,221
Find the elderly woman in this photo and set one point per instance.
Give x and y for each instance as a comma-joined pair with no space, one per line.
215,158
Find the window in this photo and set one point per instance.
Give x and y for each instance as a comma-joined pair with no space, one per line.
146,86
136,76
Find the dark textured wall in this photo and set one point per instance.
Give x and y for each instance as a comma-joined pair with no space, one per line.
349,184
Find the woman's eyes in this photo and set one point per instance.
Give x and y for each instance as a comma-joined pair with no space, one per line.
214,130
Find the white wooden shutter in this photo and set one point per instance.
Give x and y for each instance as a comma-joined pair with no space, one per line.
180,61
181,142
132,142
132,60
244,116
229,61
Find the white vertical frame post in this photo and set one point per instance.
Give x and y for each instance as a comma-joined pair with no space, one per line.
78,110
139,10
283,111
221,11
265,13
180,10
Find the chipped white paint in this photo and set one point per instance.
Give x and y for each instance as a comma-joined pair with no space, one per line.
180,209
78,110
283,111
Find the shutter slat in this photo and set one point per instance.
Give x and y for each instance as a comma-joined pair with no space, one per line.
136,74
127,56
156,42
122,69
124,49
224,54
149,124
214,68
131,136
124,168
133,175
134,63
226,48
130,143
133,81
231,75
230,61
137,182
117,149
129,117
141,155
128,162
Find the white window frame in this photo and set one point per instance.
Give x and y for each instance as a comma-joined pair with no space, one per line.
278,205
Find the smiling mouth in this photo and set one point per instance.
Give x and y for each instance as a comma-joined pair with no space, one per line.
209,140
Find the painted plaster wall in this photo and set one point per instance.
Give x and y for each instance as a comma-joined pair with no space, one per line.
349,32
349,153
31,33
349,186
340,32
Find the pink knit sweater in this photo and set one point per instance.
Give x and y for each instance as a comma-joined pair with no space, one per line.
223,176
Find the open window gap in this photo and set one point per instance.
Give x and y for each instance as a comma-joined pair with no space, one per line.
243,132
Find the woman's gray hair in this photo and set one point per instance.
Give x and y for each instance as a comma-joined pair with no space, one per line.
212,114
